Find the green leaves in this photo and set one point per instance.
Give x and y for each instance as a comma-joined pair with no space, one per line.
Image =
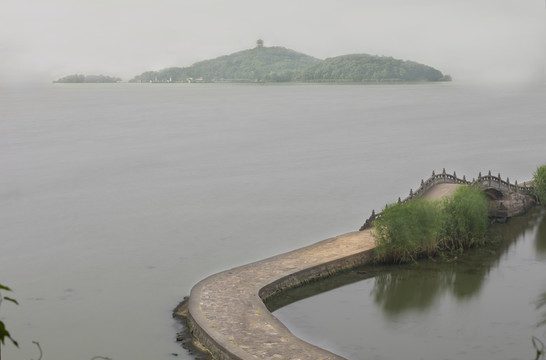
10,299
539,177
4,333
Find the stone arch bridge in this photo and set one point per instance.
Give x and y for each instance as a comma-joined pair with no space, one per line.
506,199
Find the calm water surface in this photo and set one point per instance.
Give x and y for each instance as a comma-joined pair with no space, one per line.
487,304
115,199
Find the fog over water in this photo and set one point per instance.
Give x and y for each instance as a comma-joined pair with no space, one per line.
480,40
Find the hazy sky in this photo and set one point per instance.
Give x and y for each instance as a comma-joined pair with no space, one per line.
482,39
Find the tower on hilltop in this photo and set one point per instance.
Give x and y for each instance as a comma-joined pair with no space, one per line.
259,43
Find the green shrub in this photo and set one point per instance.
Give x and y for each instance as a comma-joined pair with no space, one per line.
539,177
418,228
407,231
466,219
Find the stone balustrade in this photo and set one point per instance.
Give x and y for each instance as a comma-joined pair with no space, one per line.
487,181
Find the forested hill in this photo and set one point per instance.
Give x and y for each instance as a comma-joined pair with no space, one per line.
368,68
278,64
247,65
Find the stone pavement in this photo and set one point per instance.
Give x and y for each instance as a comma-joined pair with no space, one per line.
440,190
226,313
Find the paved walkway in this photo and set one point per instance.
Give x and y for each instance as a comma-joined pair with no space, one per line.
226,313
440,190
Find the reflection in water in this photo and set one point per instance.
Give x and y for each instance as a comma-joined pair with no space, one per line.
416,287
540,241
540,247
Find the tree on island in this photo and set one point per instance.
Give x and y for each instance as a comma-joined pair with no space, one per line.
370,68
79,78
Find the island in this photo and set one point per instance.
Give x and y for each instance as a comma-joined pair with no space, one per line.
279,64
79,78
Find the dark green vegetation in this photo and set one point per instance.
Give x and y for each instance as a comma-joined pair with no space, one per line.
78,78
408,230
248,65
278,64
4,333
421,228
368,68
539,177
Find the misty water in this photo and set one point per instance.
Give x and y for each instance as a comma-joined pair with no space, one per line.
115,199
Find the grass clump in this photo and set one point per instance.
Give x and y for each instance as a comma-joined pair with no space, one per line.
465,219
407,231
420,228
539,177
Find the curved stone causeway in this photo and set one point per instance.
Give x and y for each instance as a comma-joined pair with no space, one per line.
226,314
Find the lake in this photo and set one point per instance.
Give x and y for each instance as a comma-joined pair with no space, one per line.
115,199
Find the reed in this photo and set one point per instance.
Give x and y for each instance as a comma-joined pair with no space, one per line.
420,228
407,231
539,178
466,219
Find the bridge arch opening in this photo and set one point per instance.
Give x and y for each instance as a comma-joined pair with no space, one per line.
493,194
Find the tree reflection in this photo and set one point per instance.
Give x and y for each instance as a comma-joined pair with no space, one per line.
540,239
419,288
540,246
